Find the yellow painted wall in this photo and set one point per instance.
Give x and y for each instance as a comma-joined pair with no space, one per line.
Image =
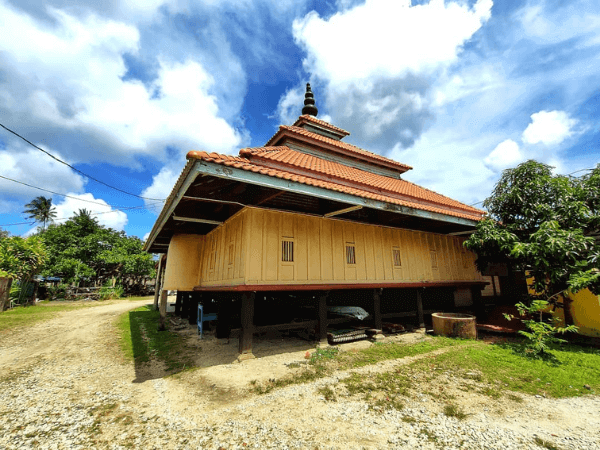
320,252
584,308
223,257
183,262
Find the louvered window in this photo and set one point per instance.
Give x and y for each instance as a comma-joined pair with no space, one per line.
231,253
396,257
434,262
350,253
213,254
287,250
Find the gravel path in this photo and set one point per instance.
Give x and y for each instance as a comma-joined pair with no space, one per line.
63,386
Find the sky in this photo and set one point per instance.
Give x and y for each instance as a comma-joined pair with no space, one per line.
121,90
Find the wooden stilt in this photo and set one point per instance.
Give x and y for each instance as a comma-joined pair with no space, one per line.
377,309
185,305
193,307
420,315
322,318
478,303
178,303
247,317
163,311
223,318
159,276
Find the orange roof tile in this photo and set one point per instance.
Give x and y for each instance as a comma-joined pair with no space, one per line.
308,118
318,167
284,156
346,148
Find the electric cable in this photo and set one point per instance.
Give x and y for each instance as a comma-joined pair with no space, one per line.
73,168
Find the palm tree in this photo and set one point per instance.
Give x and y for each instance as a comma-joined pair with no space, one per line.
41,210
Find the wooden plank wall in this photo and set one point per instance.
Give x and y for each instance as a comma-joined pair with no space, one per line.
320,252
224,254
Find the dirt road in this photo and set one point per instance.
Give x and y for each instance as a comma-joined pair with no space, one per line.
63,384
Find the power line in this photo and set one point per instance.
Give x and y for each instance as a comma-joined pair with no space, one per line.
52,192
127,208
76,170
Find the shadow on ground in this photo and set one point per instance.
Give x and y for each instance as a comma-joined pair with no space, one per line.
158,354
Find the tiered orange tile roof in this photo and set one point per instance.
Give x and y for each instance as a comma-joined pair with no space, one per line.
304,118
338,146
283,162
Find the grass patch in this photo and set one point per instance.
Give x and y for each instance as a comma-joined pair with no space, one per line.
505,368
141,340
23,316
328,393
545,444
455,411
320,364
382,352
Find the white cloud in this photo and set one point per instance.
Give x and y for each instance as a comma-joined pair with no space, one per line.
162,183
505,155
69,76
550,25
378,80
549,127
32,167
100,210
288,108
387,38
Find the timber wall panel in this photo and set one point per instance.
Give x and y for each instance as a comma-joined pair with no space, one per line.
223,257
320,252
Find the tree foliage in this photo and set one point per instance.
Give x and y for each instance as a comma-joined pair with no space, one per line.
82,249
546,224
21,259
41,210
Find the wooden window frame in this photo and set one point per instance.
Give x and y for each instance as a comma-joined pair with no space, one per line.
396,257
287,250
434,259
231,251
350,253
212,263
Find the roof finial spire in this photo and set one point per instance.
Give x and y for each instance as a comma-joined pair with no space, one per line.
309,103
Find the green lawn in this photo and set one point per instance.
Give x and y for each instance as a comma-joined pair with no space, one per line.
499,368
141,340
504,367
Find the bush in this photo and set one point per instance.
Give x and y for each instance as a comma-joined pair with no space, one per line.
108,292
20,292
57,292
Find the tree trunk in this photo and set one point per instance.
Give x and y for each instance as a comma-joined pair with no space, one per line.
5,284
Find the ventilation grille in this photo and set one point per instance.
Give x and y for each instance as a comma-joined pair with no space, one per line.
287,251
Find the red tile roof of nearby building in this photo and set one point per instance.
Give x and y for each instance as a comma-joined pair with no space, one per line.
283,162
336,146
308,118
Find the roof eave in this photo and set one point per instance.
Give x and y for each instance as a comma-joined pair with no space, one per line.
186,178
232,173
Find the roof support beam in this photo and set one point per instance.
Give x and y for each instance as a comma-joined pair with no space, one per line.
342,211
458,233
193,219
259,179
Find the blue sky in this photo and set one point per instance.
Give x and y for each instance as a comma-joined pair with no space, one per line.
459,90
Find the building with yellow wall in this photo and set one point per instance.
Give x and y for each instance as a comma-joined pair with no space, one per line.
310,213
